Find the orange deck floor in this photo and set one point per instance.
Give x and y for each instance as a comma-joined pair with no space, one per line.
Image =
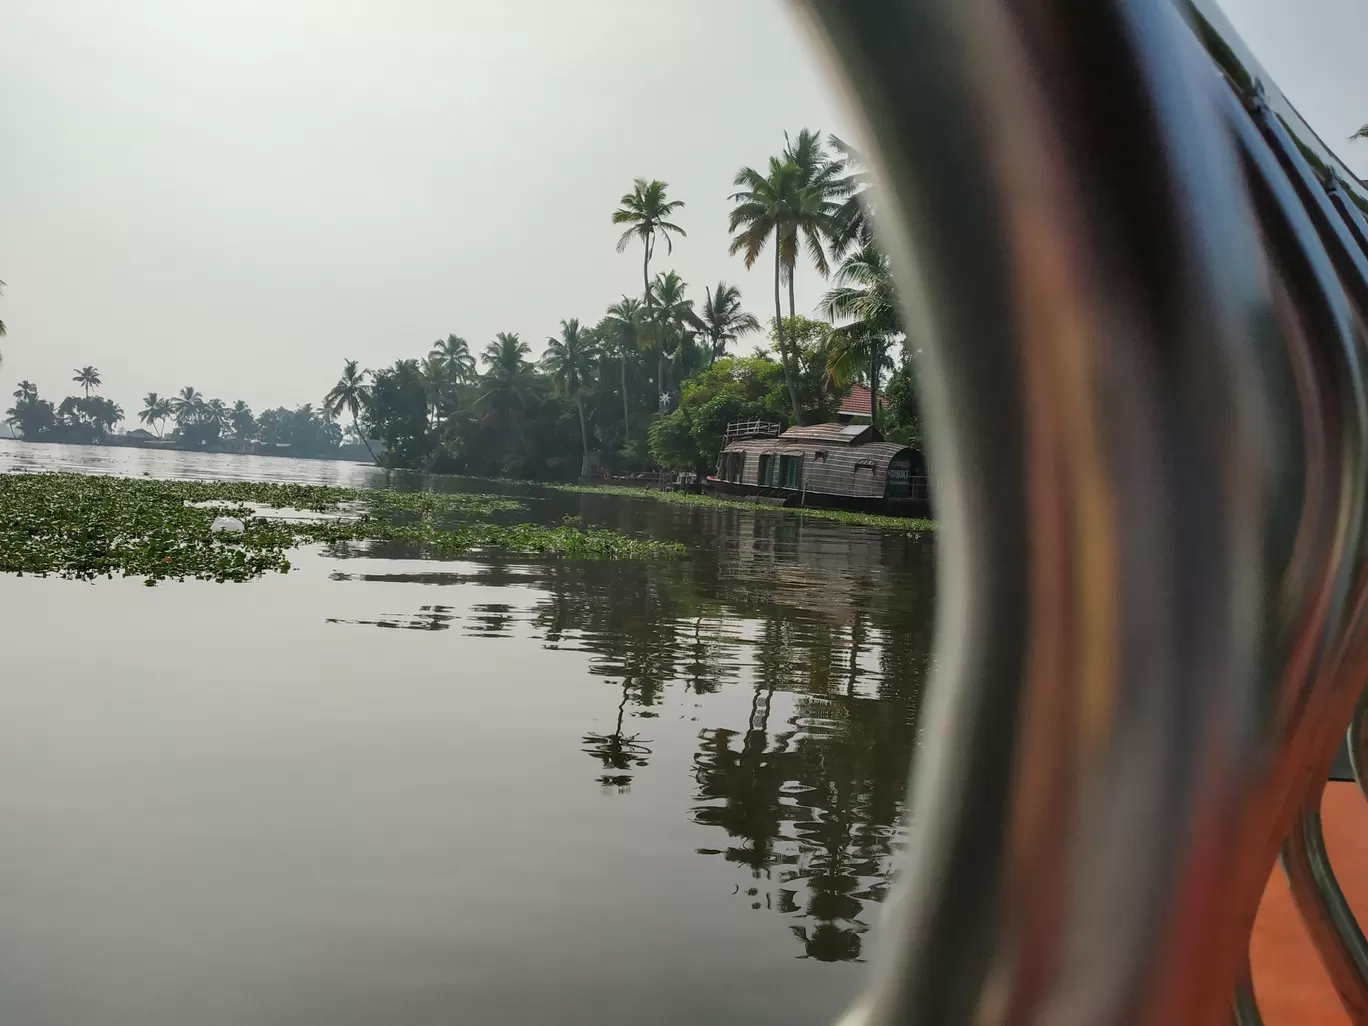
1291,986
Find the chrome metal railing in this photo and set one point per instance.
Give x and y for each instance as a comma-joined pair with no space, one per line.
1141,284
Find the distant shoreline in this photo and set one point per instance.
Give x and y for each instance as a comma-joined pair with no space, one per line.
343,455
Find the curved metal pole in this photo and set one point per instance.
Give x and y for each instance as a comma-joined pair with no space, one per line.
1149,435
1335,933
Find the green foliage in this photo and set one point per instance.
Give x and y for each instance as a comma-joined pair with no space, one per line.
88,526
911,524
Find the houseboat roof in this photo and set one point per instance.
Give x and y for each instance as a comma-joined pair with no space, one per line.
831,434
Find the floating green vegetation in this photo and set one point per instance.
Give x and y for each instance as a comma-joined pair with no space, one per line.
85,526
910,524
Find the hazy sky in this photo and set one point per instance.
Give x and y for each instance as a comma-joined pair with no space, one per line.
238,196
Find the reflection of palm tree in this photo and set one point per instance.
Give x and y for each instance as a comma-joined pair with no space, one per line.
618,751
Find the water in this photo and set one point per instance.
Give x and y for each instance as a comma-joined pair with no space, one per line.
388,790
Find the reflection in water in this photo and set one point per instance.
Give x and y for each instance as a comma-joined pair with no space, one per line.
755,703
829,629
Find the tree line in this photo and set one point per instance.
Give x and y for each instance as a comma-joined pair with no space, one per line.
650,382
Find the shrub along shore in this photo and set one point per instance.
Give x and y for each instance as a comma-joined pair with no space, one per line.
914,525
86,526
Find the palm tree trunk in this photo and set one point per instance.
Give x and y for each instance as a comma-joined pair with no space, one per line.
363,438
660,371
779,329
875,358
793,271
584,437
650,307
626,420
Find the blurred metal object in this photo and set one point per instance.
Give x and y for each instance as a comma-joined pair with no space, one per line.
1140,281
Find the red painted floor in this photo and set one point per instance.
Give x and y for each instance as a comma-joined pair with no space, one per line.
1292,988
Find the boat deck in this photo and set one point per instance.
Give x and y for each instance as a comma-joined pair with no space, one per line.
1291,985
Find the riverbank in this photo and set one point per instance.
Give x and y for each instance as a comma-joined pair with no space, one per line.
87,526
913,525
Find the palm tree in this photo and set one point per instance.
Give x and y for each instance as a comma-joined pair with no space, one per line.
765,207
87,377
155,408
820,181
507,380
455,353
646,211
435,374
865,298
852,225
625,322
27,392
240,417
723,319
1362,133
215,415
570,362
187,406
675,320
351,393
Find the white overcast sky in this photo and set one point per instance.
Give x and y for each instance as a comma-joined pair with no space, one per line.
240,195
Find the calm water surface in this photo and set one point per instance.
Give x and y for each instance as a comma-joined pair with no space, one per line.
384,789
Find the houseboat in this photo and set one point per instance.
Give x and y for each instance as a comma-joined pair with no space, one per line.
832,466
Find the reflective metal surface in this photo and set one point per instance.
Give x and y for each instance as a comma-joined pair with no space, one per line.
1140,281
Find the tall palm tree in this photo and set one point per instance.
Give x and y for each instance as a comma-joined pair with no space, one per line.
820,181
87,377
507,380
864,298
766,207
27,392
675,321
187,406
455,353
852,225
155,408
646,212
436,376
570,362
723,319
626,323
351,393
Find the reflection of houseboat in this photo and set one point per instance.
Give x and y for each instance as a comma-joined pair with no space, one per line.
837,466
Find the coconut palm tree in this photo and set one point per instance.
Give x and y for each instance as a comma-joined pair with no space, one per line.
351,393
723,319
455,353
187,406
27,392
863,298
852,226
570,362
646,212
625,321
155,408
507,381
436,377
821,181
1362,133
87,377
242,421
215,415
674,323
766,207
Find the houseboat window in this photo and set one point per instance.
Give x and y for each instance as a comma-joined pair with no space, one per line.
766,471
791,470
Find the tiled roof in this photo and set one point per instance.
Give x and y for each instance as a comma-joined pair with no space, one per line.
856,402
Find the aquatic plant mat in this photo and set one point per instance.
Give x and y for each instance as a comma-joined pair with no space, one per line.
87,526
910,524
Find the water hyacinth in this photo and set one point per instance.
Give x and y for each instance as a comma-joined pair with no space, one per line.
85,526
